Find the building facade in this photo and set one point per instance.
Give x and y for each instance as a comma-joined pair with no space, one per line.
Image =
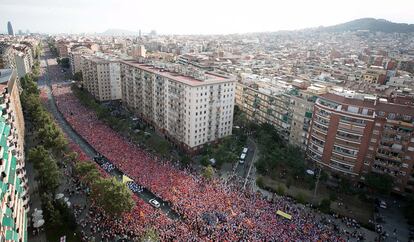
75,58
353,135
10,29
7,59
101,77
264,105
14,198
301,102
22,64
191,107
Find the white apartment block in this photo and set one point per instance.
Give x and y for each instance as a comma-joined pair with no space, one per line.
101,77
190,107
22,64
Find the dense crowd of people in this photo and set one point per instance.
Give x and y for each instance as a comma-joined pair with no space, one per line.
211,210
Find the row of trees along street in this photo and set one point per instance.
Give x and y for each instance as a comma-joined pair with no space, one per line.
49,153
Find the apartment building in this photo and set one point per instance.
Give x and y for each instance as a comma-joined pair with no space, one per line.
14,197
27,53
265,103
374,75
101,77
7,59
191,107
354,134
138,51
63,49
391,147
22,64
75,58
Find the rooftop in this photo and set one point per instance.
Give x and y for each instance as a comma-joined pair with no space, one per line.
371,102
204,78
5,75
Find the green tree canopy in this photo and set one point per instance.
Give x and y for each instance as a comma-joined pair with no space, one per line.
112,196
87,171
48,170
381,183
78,76
208,172
150,235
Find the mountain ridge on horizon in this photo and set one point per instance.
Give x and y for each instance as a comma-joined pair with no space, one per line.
370,24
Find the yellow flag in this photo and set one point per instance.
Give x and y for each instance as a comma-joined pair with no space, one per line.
126,179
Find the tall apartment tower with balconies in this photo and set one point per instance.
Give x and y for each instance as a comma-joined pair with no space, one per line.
14,196
192,108
354,135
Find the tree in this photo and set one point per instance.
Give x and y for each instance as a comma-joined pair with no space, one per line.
301,197
47,168
208,172
37,155
64,62
28,85
260,182
280,190
409,209
325,205
112,196
72,156
150,235
52,137
87,171
49,175
78,76
381,183
52,215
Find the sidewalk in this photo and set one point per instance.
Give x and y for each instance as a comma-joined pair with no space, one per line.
34,203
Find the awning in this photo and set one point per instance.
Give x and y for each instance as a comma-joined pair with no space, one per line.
3,189
12,235
8,212
7,222
283,214
2,124
6,131
12,173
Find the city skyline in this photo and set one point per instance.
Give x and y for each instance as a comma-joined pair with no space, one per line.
186,17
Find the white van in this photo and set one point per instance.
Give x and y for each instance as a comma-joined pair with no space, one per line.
245,150
154,203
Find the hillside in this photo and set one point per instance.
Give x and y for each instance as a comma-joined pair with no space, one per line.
371,24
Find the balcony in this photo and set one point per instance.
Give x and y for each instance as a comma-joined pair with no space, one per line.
344,154
316,148
382,170
388,156
342,165
388,165
322,123
352,129
347,144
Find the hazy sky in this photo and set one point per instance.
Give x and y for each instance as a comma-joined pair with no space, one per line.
193,16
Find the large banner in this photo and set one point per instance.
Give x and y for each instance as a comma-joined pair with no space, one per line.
283,214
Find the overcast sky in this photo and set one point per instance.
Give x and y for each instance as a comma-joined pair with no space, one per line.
193,16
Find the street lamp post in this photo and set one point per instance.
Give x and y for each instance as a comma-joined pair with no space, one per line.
318,176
